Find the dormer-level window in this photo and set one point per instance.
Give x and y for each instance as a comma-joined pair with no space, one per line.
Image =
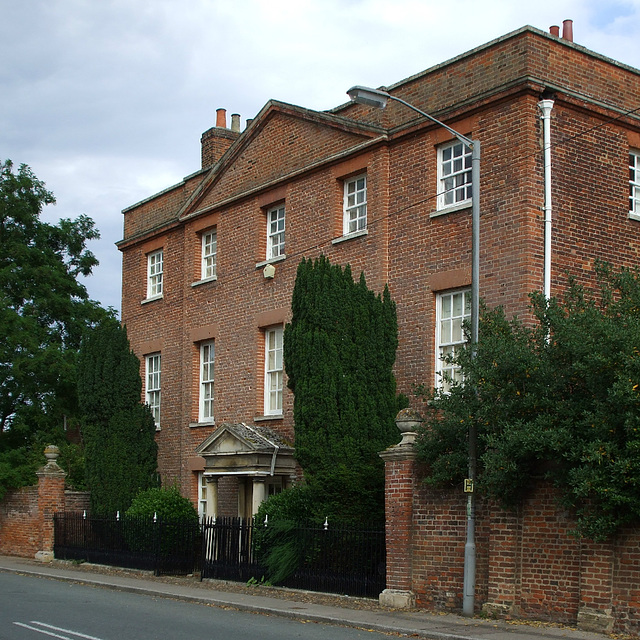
154,274
454,175
209,254
634,184
275,232
355,204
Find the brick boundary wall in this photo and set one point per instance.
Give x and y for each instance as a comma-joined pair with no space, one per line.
529,565
26,515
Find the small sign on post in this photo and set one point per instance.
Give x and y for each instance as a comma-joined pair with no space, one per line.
468,485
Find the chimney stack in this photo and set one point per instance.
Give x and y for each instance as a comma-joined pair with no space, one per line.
216,141
567,30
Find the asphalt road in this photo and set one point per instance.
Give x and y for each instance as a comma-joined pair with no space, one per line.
33,608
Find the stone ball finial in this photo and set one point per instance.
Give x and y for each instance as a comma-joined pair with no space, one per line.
51,453
408,422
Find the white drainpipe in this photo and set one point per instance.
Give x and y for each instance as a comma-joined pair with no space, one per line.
545,107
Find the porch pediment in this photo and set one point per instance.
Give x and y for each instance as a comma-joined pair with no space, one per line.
241,449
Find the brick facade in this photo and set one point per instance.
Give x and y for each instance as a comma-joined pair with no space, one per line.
299,157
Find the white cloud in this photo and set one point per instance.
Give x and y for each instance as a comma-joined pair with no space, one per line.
106,101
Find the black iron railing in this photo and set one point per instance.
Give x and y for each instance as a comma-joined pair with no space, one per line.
334,559
330,558
166,548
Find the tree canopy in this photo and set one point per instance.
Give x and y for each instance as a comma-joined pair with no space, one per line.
118,430
558,398
44,309
339,351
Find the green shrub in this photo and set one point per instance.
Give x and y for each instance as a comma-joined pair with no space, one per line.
278,547
296,503
167,504
161,520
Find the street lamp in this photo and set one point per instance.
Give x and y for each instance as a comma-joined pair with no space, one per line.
378,99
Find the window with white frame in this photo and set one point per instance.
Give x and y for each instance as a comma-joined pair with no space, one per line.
152,387
207,358
202,496
454,175
453,308
209,254
634,183
154,274
273,374
275,232
355,204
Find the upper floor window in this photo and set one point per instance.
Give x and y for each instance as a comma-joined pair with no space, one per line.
275,232
453,308
209,254
154,274
454,175
355,204
273,375
152,386
207,358
634,183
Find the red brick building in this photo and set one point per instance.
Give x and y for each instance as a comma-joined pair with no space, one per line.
209,264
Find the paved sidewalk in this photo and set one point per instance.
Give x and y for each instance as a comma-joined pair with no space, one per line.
412,623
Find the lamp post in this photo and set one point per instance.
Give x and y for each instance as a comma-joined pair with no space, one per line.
377,98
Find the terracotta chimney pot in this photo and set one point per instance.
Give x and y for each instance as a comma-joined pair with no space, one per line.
567,30
221,118
555,30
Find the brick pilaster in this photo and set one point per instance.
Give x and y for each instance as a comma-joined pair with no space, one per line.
51,499
596,587
400,476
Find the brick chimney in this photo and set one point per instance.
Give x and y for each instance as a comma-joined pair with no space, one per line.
218,139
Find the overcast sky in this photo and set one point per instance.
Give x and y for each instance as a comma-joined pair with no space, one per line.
106,100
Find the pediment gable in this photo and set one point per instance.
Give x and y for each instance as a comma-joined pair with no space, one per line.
282,141
241,438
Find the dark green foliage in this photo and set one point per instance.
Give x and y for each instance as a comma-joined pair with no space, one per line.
167,504
278,546
339,351
560,398
118,431
298,503
43,311
176,521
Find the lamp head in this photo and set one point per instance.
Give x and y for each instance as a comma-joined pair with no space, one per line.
370,97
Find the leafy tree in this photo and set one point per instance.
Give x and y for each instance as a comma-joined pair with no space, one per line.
43,312
118,431
339,351
560,398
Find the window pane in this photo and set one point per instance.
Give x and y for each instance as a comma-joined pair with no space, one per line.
454,174
355,204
